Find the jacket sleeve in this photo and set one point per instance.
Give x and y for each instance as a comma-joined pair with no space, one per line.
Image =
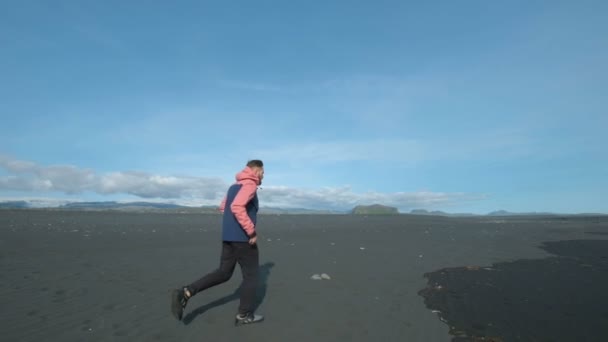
239,209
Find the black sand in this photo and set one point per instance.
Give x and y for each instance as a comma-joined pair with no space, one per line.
560,298
98,276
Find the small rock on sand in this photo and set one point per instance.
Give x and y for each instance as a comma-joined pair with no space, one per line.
320,277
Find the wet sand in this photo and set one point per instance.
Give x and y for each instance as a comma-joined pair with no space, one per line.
558,298
99,276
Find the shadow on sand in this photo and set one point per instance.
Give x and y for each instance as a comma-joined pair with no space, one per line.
260,294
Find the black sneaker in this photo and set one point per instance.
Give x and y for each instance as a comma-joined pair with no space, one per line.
249,318
178,302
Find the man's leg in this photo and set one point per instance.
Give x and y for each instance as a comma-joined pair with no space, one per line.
180,297
249,261
221,275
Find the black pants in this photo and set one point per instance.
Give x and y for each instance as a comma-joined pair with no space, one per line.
247,257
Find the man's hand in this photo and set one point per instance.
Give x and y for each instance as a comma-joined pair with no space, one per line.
253,240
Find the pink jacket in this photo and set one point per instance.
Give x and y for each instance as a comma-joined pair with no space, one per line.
250,183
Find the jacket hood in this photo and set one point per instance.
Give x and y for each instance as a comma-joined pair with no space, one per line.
247,174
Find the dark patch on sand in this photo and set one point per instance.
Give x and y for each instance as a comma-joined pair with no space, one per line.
559,298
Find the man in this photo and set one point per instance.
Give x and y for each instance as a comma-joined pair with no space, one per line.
239,245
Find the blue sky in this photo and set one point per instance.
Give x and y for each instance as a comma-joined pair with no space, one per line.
468,106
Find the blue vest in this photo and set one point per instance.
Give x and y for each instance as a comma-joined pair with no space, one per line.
231,228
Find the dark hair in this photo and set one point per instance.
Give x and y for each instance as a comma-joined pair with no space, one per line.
255,163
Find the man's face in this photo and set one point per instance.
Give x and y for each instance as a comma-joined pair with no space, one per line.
259,171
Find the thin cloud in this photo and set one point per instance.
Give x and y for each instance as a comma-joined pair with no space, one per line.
155,186
497,146
242,85
31,177
346,150
13,165
28,176
379,103
343,198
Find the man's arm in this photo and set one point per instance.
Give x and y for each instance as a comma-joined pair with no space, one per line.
223,204
239,209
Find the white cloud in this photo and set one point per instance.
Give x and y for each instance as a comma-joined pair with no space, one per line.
197,191
156,186
343,198
16,165
74,180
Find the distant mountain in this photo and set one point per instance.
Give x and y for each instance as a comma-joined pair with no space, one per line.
374,209
117,205
166,206
14,205
148,207
297,211
508,213
439,213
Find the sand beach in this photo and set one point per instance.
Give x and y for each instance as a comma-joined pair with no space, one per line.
106,276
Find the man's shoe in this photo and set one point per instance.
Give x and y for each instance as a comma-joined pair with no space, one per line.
249,318
178,302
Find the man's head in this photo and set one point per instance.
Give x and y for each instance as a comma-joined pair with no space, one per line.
258,167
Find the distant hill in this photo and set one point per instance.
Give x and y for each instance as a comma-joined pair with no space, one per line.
439,213
128,206
374,209
117,205
138,207
297,211
14,205
150,207
508,213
